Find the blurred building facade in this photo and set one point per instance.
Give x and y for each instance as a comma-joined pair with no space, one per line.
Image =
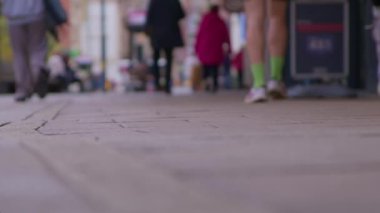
65,34
83,34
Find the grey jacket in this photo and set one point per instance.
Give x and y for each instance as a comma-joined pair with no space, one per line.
23,11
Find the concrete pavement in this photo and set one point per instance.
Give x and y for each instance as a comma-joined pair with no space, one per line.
141,153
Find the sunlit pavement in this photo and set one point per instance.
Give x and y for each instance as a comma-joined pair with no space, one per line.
150,153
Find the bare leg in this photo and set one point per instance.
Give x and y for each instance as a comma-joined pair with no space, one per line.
277,28
277,42
255,10
256,37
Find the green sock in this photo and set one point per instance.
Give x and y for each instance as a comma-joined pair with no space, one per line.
277,66
258,75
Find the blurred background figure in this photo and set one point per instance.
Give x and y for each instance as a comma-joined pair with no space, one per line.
27,27
238,63
71,76
56,66
212,45
62,73
277,39
164,31
376,34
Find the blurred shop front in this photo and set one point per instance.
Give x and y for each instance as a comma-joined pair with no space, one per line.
334,46
350,42
6,74
330,43
138,58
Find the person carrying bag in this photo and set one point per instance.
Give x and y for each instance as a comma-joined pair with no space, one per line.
27,28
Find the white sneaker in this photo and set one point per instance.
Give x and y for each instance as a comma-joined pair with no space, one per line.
256,95
277,90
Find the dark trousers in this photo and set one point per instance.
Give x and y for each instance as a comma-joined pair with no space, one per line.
168,68
376,35
29,44
241,79
213,71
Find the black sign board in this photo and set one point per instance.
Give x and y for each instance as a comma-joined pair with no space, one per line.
320,39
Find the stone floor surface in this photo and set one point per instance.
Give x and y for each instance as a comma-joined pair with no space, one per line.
150,153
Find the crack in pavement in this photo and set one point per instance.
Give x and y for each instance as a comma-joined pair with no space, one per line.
58,113
37,129
142,131
285,171
37,111
5,124
65,134
118,124
55,116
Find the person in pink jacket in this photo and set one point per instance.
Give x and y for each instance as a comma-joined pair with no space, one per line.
212,44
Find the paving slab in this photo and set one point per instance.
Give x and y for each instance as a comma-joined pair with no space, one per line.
148,153
26,185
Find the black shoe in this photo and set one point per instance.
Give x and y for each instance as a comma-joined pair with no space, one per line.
158,88
42,83
22,98
168,90
207,87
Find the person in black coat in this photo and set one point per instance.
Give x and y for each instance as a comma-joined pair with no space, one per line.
165,34
376,35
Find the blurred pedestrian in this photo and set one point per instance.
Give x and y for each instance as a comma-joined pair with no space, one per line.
277,42
376,34
212,44
71,73
57,80
238,63
27,27
165,35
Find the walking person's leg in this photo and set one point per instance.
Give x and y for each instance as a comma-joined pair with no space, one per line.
23,74
206,76
227,72
168,73
376,35
278,37
255,10
38,48
240,79
215,77
156,68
